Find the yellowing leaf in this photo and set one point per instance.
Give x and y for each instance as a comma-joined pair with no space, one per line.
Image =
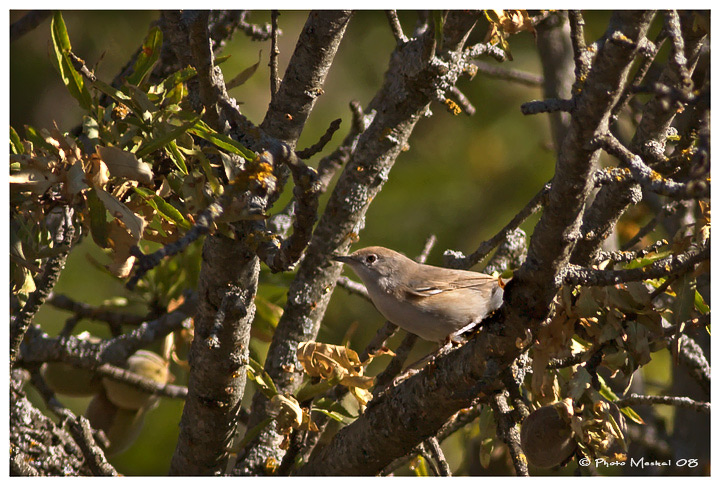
330,361
287,412
321,359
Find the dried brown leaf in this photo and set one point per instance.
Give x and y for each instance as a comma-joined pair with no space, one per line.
122,163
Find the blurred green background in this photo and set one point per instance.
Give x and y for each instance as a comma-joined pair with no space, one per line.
462,179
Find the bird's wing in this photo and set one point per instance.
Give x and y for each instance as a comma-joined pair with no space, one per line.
436,282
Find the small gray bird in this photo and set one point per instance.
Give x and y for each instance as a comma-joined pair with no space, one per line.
432,302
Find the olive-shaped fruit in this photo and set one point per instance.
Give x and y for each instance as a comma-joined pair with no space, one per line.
546,438
144,363
121,426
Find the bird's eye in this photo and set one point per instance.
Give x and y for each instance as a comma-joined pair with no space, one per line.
371,259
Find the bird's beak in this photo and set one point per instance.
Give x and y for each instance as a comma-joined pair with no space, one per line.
342,258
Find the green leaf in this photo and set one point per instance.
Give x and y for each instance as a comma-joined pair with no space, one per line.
246,74
177,157
421,468
610,395
684,302
222,141
149,54
98,219
114,93
15,143
263,380
38,140
71,78
164,208
209,174
176,78
157,143
325,404
700,304
648,260
333,415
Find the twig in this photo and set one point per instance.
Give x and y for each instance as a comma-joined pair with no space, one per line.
462,101
508,432
624,256
20,464
611,175
27,22
480,49
306,193
320,144
647,177
378,341
80,429
458,421
395,26
433,447
458,260
43,285
663,287
396,363
649,50
145,263
577,37
254,31
353,287
274,54
510,253
429,244
691,356
547,106
24,263
666,210
684,402
222,24
142,383
575,359
661,268
330,164
81,310
508,74
668,93
39,348
672,27
82,433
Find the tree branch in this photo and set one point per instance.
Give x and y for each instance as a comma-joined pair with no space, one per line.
685,402
399,104
43,285
673,264
454,259
395,26
509,432
649,142
420,405
305,75
27,23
